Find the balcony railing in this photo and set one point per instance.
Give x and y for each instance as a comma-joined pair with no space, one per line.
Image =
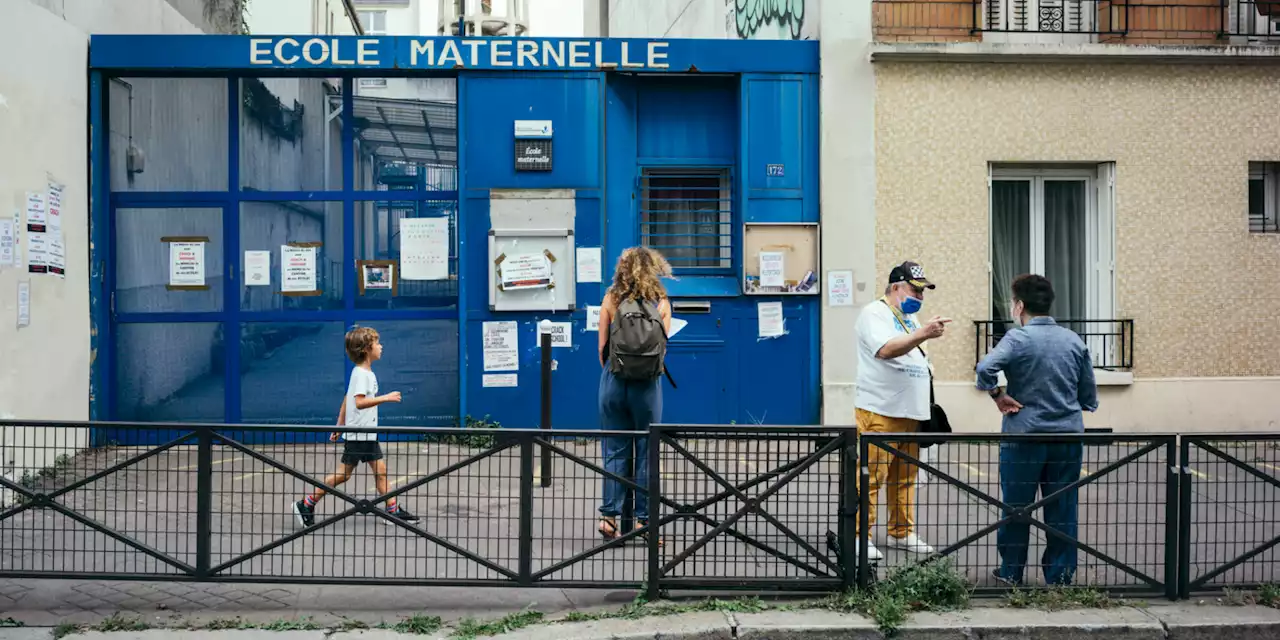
1110,342
1106,21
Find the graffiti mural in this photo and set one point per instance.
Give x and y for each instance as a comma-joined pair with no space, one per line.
774,19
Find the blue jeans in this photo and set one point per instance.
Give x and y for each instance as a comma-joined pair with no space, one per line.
627,405
1047,467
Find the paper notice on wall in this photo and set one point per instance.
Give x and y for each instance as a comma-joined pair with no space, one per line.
297,269
424,249
24,304
37,253
54,211
500,380
8,243
589,264
840,288
257,268
501,346
37,212
772,264
561,334
525,271
186,264
772,324
57,255
593,318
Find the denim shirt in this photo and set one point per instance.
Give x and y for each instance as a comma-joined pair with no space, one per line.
1049,372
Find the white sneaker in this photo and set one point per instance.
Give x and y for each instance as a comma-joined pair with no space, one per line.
911,544
873,554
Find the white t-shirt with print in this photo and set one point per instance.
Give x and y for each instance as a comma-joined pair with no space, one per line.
897,387
363,383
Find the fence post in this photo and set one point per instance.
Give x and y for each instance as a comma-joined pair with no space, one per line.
525,554
845,529
1172,519
863,534
544,334
627,519
653,584
1184,518
204,501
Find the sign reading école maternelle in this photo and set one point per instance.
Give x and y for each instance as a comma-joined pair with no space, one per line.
457,53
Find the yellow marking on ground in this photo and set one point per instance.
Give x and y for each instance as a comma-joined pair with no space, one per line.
1197,474
246,476
1084,472
397,481
749,464
192,467
1269,466
973,469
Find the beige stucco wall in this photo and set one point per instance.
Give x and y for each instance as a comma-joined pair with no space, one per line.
1202,291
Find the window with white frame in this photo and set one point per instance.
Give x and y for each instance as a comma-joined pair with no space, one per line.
1055,221
1264,197
373,83
686,214
374,23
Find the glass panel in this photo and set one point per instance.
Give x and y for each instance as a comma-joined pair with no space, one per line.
420,360
288,139
269,226
378,238
687,215
170,372
291,373
142,248
1066,247
168,134
406,134
1010,243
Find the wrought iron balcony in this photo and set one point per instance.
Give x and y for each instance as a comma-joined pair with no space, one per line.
1110,342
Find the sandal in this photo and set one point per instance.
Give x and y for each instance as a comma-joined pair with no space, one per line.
645,536
608,528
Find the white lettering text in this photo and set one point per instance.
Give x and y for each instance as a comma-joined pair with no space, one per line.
337,54
309,47
579,57
474,45
280,56
419,47
655,56
552,52
527,53
626,57
260,51
500,53
367,52
450,52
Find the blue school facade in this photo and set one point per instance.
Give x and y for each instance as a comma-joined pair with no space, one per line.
272,200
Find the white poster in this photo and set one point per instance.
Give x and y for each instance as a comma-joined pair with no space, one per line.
593,318
8,243
37,212
57,255
186,264
37,251
500,380
771,268
561,334
840,288
771,321
589,264
501,346
525,271
24,304
676,325
297,268
424,249
257,268
55,205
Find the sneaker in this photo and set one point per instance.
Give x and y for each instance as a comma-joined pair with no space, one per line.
873,554
995,573
306,515
402,515
911,544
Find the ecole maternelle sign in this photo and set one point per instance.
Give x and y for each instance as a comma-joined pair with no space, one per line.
454,53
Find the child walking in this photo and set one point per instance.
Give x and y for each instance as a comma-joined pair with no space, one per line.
359,409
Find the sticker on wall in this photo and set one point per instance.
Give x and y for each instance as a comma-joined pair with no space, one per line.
593,318
257,268
589,264
772,267
8,243
24,304
525,271
500,380
37,212
297,269
186,264
37,252
561,334
840,288
57,255
772,323
501,346
424,249
54,210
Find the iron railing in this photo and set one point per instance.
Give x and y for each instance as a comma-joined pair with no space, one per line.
1110,342
755,508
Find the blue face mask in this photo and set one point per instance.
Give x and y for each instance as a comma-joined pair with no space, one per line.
911,305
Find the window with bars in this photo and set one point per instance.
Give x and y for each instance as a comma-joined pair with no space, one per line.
1264,197
687,216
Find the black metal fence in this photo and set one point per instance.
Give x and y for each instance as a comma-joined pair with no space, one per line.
756,508
1110,342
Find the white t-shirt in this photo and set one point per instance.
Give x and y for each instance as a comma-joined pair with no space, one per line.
894,388
363,383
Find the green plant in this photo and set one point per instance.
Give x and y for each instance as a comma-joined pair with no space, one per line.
224,624
116,623
9,623
1059,598
298,624
476,440
351,625
469,628
931,586
65,629
1267,595
418,624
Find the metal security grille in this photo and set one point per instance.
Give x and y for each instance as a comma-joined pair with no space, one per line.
1264,197
687,215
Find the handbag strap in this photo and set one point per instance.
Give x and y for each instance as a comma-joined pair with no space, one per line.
902,321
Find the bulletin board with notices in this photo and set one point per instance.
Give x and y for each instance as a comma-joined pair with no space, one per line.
781,258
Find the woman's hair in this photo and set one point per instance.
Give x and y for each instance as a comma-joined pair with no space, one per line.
360,342
639,274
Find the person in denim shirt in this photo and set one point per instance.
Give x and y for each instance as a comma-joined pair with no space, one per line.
1050,377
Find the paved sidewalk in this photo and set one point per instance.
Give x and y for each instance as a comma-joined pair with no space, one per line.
1184,621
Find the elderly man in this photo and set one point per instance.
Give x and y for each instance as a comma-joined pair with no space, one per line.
1050,376
893,395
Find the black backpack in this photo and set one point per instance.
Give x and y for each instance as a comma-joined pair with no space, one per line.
637,345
